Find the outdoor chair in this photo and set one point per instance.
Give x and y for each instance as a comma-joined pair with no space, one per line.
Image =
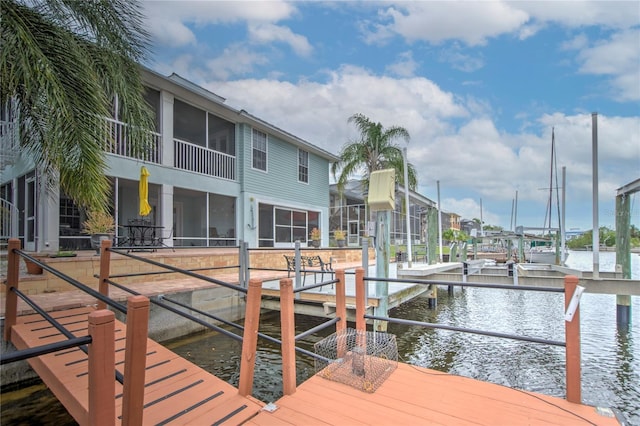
164,235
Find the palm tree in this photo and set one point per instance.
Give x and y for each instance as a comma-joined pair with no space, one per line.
61,64
374,150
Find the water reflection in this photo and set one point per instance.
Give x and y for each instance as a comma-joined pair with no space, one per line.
33,404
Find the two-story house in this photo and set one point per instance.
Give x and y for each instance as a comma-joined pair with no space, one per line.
217,175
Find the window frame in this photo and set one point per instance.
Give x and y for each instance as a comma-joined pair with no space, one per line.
255,149
303,166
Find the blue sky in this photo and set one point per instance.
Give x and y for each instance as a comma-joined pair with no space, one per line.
478,84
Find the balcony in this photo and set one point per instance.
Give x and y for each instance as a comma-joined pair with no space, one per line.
187,156
118,143
198,159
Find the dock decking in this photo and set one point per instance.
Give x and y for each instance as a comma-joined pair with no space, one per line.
418,396
177,392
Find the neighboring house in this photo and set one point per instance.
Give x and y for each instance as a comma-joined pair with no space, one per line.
450,221
218,176
348,212
468,226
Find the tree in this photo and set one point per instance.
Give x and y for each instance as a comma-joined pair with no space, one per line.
452,235
61,64
607,238
374,150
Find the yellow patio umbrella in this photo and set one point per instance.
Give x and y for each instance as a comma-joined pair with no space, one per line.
143,189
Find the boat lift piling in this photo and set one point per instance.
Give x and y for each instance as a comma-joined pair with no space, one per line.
382,200
623,252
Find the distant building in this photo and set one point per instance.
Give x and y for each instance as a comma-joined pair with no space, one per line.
348,212
450,221
573,233
468,225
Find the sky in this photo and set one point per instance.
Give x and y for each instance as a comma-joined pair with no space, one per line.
479,85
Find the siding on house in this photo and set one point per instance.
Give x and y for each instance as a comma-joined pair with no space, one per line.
281,178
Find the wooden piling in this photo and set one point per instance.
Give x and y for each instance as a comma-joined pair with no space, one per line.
135,360
287,322
250,337
13,279
102,388
623,256
572,338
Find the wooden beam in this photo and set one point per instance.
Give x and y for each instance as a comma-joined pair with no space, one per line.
102,388
250,337
287,323
572,340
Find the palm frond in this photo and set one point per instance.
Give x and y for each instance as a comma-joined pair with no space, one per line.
61,63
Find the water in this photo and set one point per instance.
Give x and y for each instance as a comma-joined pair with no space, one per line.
610,358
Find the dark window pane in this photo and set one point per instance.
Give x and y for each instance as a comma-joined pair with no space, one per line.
283,217
189,123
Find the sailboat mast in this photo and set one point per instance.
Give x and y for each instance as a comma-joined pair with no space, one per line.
557,185
549,202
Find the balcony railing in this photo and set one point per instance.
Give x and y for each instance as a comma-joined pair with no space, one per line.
118,143
195,158
9,143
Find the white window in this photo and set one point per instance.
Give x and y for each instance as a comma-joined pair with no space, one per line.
259,150
303,166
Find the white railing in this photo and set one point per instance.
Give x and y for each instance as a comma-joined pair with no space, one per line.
117,143
195,158
8,221
9,143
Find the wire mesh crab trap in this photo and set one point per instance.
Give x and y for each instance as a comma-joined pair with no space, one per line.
360,359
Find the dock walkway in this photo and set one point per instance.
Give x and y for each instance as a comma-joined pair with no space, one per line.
176,392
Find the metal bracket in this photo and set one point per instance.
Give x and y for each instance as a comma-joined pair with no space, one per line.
573,304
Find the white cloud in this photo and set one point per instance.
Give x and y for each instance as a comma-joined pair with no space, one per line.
435,22
618,57
575,14
405,65
475,22
578,42
167,20
461,61
171,33
235,60
267,33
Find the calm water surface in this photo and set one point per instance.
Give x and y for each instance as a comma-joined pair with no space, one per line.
610,358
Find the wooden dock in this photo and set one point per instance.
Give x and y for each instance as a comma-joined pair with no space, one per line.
418,396
176,392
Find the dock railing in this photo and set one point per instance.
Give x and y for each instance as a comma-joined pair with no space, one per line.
572,326
287,311
99,344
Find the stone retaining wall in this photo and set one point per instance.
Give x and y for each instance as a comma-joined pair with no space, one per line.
85,266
